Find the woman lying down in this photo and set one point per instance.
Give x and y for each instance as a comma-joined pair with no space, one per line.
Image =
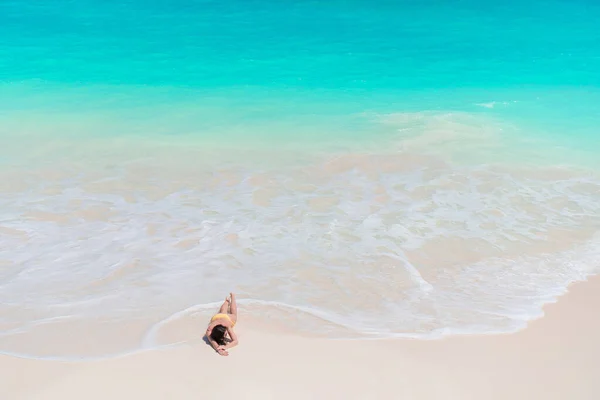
220,332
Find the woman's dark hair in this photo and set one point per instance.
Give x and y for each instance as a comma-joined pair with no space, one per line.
218,335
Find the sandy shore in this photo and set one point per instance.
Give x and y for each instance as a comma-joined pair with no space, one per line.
556,357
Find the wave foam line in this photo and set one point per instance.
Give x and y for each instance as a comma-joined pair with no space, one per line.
412,271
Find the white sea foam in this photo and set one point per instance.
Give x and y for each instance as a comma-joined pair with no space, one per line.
492,104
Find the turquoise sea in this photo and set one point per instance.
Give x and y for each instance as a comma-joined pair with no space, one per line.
365,168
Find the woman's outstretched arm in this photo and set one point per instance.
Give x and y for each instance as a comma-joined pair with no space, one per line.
208,333
234,339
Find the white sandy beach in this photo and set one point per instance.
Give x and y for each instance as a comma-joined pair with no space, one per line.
556,357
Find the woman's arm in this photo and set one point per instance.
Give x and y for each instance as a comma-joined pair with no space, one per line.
210,340
234,339
208,332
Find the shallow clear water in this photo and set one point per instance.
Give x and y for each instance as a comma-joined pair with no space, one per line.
351,169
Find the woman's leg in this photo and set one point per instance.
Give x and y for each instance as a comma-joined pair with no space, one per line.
233,308
224,307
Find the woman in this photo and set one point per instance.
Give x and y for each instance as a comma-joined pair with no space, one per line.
220,332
